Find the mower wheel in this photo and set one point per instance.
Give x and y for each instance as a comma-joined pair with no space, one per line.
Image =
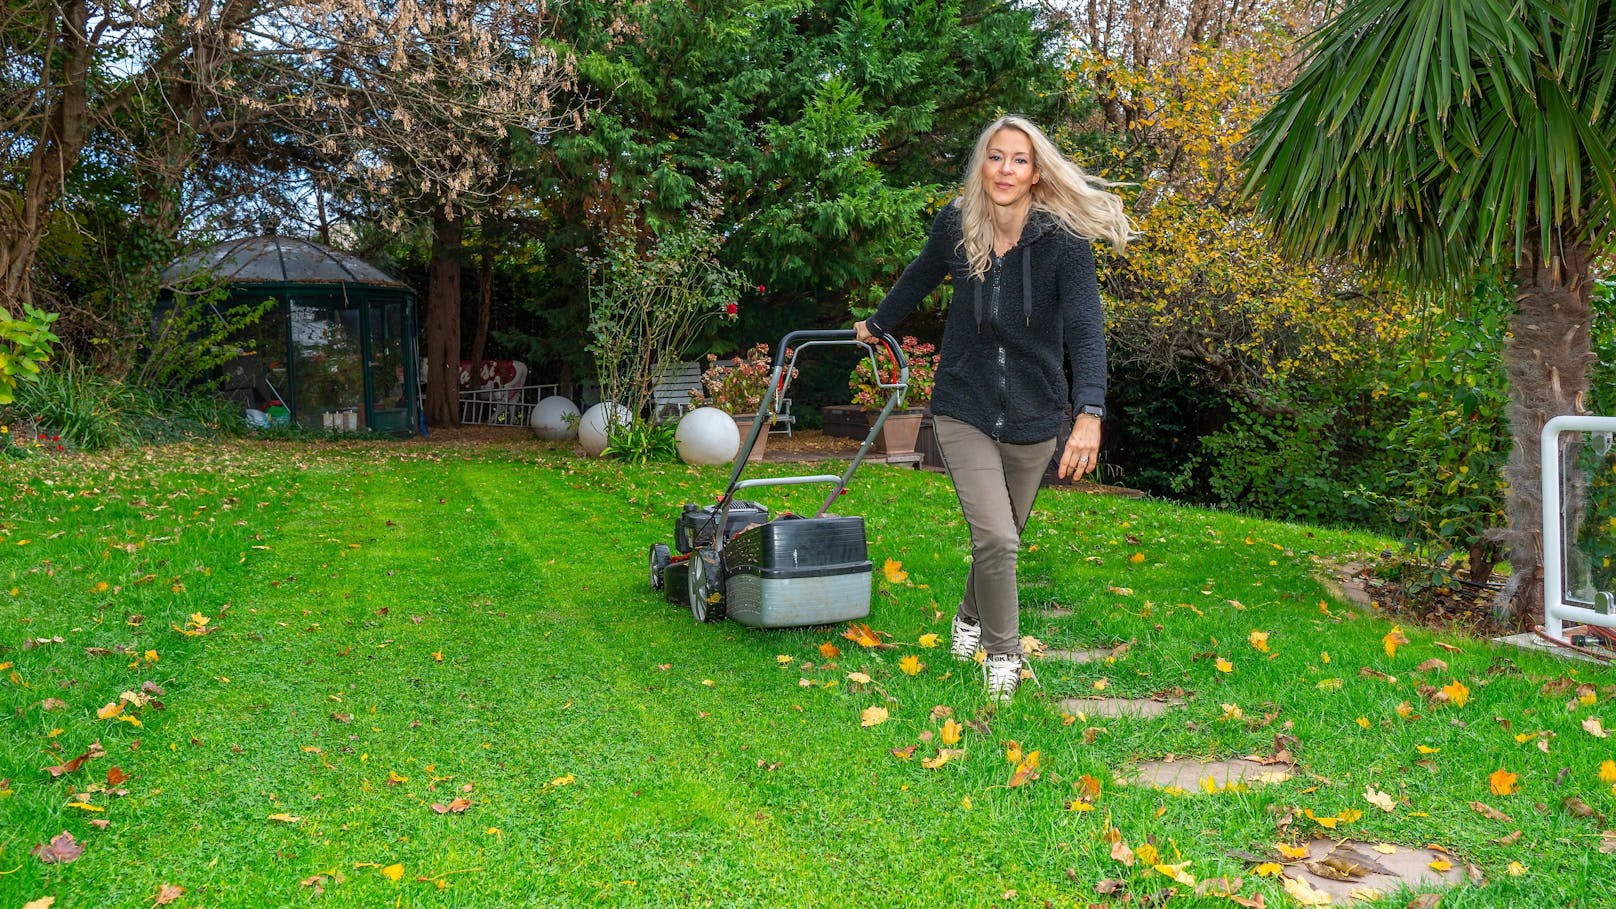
661,554
706,586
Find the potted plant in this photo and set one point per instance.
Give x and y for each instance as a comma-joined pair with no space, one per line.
736,387
902,428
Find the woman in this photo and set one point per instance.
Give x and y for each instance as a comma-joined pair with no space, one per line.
1016,243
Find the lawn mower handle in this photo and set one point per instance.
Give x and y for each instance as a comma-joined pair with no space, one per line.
796,341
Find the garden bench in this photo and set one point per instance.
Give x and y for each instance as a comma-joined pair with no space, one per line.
674,383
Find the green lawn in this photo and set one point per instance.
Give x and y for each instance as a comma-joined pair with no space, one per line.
393,626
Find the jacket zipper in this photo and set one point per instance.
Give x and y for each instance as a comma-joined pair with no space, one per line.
998,341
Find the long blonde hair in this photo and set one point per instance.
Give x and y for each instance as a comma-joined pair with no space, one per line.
1078,202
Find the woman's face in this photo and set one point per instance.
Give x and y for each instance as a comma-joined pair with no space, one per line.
1007,168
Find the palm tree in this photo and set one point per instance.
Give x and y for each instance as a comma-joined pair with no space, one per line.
1441,138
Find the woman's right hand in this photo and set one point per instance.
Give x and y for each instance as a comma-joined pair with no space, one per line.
862,332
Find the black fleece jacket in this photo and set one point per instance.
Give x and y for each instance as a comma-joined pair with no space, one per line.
1000,368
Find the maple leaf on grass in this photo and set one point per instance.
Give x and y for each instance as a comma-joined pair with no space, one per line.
1393,640
861,635
1502,782
893,570
62,849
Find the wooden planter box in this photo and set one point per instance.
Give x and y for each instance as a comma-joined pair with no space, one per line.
899,435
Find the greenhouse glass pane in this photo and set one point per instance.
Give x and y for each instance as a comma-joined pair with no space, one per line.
327,367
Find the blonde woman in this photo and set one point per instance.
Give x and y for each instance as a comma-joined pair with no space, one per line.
1026,310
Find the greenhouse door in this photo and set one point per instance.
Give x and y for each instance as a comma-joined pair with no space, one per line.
390,373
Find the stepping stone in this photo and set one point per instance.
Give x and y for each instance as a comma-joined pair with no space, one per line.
1408,866
1092,655
1143,708
1188,774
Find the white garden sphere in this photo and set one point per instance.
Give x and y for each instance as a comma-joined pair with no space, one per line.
554,418
592,428
707,435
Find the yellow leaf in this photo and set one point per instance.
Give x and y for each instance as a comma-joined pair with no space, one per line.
1232,712
1392,639
393,779
893,570
1224,665
1177,873
151,656
861,635
964,802
858,678
1291,852
394,872
285,818
1588,698
944,755
1208,784
1147,853
1607,772
910,665
872,716
133,721
1012,752
1516,869
85,806
1457,693
1441,865
1303,892
928,640
952,730
1136,558
1259,640
1426,749
1100,684
829,651
783,660
1268,869
1385,848
1502,782
1405,710
1362,721
1327,823
110,711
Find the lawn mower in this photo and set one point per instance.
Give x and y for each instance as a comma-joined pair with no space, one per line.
733,559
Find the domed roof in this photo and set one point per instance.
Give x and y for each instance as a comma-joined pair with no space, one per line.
278,260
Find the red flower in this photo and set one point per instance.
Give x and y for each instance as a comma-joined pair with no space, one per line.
56,438
731,309
762,289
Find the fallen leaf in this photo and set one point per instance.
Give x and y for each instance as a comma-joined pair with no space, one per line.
872,716
858,678
1385,848
116,777
1607,772
1219,886
1147,853
1292,852
1434,664
943,756
910,665
109,711
1457,693
456,806
1026,771
393,872
44,902
60,850
904,753
1448,647
1106,887
1259,640
1304,893
285,818
1224,665
1393,640
1440,865
861,635
1490,812
1120,852
1379,799
951,732
1502,782
1268,869
1508,839
1607,842
1177,873
1576,807
168,893
928,640
1593,727
893,570
829,651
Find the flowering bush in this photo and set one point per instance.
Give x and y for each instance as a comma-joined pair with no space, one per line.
922,375
737,385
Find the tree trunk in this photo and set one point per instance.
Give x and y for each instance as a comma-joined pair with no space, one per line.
443,324
485,306
1547,356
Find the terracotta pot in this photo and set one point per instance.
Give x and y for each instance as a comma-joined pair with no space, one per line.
743,422
898,433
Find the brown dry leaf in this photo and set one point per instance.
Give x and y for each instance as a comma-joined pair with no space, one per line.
1593,727
1026,770
109,711
1219,886
904,753
1425,901
52,704
1304,893
285,818
116,776
44,902
1607,842
1490,812
168,893
1120,852
1379,799
60,850
944,755
1109,886
1434,664
1253,902
457,806
1508,839
1578,808
1448,647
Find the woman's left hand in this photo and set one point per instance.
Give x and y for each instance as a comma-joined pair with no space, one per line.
1082,452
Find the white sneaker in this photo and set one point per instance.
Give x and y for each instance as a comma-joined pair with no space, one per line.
1003,672
966,640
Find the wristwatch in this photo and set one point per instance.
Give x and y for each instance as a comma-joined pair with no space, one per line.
1093,410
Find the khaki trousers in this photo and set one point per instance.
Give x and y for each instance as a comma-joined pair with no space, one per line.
996,483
